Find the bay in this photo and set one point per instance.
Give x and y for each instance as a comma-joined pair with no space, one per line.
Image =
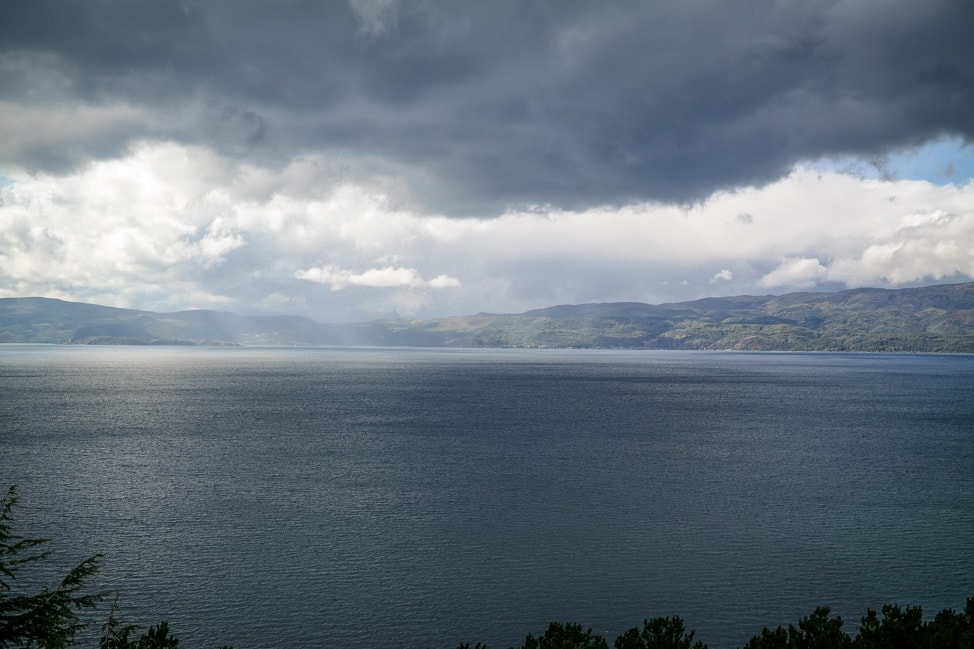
420,498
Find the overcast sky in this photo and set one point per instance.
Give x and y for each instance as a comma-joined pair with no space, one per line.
361,159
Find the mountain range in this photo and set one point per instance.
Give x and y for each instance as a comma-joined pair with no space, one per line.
926,319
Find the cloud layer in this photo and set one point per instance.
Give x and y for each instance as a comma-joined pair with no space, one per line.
375,158
171,226
482,106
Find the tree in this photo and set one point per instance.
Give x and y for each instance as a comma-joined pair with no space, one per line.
115,635
815,631
565,636
897,629
768,639
819,631
50,618
659,633
950,629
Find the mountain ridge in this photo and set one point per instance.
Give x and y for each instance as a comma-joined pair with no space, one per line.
937,318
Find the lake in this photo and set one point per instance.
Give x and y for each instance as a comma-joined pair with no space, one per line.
416,498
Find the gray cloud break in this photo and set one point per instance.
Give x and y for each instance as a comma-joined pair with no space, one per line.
479,106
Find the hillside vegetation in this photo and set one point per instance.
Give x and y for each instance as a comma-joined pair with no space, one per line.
927,319
930,319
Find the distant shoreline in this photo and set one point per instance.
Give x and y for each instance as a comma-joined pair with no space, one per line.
933,319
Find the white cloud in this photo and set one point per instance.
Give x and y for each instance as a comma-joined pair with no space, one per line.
444,281
217,243
795,272
172,226
929,247
385,277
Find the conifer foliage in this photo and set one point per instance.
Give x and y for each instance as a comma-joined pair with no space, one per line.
49,618
53,617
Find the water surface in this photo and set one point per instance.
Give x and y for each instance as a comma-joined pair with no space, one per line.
419,498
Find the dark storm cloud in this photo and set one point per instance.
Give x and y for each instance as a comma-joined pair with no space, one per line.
479,105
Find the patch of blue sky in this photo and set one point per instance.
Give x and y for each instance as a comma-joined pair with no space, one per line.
940,162
943,161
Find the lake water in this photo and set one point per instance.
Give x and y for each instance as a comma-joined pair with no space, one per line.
419,498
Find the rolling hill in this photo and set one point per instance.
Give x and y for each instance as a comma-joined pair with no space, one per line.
928,319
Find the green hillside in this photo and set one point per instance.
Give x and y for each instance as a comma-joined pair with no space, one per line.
928,319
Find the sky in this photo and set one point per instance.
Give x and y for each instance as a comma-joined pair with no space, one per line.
351,160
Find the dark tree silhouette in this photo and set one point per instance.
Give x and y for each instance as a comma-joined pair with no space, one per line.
565,636
659,633
49,618
52,618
